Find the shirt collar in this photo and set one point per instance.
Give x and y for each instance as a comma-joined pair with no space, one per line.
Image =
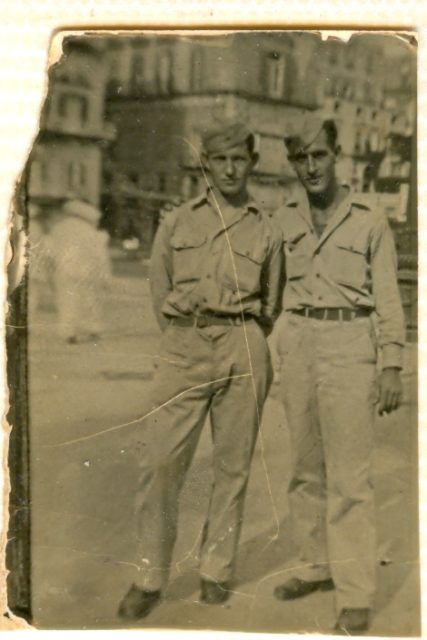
300,198
206,198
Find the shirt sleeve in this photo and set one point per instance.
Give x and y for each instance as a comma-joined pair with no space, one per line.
271,279
161,271
388,306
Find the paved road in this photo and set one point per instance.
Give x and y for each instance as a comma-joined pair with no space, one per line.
84,457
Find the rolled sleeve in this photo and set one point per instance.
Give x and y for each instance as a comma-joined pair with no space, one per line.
388,306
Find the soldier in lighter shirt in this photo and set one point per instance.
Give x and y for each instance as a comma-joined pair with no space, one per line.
340,268
215,278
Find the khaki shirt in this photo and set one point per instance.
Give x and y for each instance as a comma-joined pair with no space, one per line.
206,262
353,264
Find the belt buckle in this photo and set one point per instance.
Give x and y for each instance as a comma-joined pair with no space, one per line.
202,322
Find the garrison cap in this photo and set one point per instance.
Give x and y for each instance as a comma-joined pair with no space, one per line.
301,134
224,135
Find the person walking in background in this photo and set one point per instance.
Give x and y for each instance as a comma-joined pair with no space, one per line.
340,268
81,271
215,276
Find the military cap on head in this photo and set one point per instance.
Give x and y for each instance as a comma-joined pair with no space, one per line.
301,134
224,135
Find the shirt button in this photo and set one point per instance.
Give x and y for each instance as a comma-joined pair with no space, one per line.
320,298
208,276
317,275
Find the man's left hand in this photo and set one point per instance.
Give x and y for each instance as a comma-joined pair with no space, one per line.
390,392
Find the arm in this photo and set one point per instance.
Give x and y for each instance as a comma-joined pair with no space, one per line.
161,269
390,314
272,283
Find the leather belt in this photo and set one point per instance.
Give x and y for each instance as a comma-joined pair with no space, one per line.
333,313
209,321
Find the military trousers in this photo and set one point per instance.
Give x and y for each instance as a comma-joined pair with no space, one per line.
223,372
328,387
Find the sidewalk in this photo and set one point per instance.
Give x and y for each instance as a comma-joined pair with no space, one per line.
83,535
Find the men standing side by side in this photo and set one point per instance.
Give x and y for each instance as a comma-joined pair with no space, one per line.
340,272
215,278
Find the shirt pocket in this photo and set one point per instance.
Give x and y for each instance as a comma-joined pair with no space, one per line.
188,253
351,266
297,257
247,262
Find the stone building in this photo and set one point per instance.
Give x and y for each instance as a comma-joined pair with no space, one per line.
164,91
67,155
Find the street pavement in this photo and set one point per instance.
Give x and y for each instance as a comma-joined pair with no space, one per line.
87,404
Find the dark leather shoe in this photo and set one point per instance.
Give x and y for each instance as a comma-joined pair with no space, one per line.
352,622
297,588
138,603
214,592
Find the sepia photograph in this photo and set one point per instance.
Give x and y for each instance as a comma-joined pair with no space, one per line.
212,344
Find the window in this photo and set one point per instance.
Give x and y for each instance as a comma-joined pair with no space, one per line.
133,177
43,171
76,175
196,70
138,71
333,54
358,143
276,66
374,140
73,107
114,68
164,72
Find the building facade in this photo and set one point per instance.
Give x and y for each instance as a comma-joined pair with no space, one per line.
67,156
163,91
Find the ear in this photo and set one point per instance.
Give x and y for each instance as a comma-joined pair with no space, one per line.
337,150
255,159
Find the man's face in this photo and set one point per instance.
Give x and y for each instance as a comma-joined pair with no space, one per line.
229,168
315,165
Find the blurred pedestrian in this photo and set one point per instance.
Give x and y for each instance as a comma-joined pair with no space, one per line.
81,271
41,263
340,268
